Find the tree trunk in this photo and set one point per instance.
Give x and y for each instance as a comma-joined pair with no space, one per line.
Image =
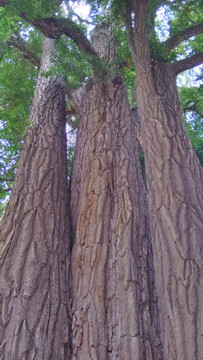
174,182
115,313
35,235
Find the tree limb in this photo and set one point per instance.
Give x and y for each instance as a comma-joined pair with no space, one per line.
141,42
129,27
185,34
192,107
188,63
82,20
29,55
141,14
2,179
6,190
55,27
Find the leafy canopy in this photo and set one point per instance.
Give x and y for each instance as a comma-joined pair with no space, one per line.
18,75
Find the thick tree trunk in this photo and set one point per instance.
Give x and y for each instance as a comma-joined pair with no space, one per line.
174,181
34,236
115,313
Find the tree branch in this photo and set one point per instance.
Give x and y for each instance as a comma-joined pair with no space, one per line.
188,63
29,55
192,107
2,179
129,27
82,20
183,35
141,14
141,42
55,27
6,190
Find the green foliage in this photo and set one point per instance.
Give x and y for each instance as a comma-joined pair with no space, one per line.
196,137
123,52
8,24
33,8
18,76
185,14
192,102
70,62
18,79
70,155
8,162
157,49
170,19
96,5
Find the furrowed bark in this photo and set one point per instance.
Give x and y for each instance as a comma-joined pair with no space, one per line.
34,244
174,182
115,312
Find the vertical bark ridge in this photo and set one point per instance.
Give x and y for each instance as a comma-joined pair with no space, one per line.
115,314
174,180
35,235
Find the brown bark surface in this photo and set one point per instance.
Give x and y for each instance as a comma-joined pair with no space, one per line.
174,182
115,313
34,239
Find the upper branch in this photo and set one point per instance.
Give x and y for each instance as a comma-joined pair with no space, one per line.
187,63
129,27
191,107
6,190
140,20
141,42
185,34
55,27
5,179
29,55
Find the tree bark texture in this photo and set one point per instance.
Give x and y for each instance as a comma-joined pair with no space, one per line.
34,238
174,182
115,312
